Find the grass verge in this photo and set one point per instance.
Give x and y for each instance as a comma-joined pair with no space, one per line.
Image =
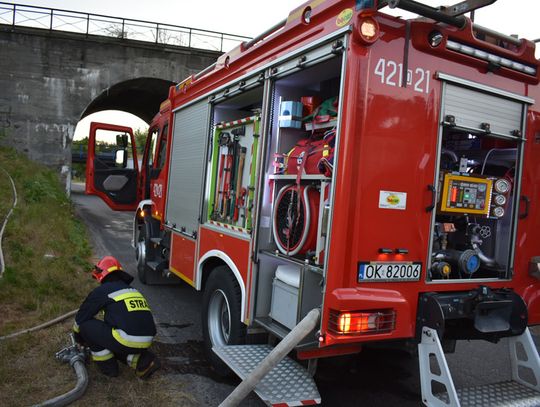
46,248
47,261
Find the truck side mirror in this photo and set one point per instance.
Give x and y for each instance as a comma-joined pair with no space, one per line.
122,140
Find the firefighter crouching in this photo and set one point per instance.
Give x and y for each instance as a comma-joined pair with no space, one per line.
127,329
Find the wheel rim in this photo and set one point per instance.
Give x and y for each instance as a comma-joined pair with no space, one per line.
140,250
219,319
140,254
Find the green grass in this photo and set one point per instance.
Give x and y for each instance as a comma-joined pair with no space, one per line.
46,252
48,261
29,374
45,247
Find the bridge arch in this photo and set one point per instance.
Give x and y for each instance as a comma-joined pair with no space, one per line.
139,96
50,80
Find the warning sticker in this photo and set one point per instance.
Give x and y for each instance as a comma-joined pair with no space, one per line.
392,200
344,17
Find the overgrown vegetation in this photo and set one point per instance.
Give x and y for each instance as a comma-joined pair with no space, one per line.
48,257
45,247
46,253
79,148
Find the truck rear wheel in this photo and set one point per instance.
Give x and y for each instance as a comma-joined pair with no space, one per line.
221,316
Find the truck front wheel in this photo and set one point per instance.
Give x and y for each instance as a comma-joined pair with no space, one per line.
221,316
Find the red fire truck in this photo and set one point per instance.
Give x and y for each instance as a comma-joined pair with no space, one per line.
385,172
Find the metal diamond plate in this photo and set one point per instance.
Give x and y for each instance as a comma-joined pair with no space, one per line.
504,394
288,382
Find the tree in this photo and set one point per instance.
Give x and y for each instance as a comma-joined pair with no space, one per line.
81,144
140,140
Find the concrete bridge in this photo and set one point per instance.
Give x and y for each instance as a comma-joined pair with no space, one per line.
51,77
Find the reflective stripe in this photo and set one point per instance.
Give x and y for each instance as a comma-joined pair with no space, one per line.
76,327
114,268
102,355
124,293
133,359
132,341
127,296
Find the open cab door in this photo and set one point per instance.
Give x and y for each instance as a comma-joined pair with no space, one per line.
112,169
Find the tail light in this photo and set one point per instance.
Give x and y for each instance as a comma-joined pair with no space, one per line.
362,322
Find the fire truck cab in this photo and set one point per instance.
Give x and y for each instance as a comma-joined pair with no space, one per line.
383,172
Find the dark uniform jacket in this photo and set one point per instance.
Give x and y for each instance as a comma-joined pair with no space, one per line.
124,309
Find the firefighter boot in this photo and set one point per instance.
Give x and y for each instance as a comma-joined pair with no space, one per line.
108,367
147,364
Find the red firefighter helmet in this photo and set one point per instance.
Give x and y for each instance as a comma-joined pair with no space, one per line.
106,266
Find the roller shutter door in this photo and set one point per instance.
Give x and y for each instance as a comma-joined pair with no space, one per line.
186,171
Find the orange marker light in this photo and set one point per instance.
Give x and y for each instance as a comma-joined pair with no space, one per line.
368,30
344,323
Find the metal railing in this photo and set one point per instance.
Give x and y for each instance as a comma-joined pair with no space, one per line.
116,27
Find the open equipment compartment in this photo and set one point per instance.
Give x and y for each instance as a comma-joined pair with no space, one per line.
232,167
296,194
481,144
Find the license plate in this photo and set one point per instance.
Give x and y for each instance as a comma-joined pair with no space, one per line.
380,271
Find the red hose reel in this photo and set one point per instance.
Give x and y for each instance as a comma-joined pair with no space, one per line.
295,219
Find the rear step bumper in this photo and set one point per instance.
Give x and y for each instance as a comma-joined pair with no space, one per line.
522,391
503,394
287,384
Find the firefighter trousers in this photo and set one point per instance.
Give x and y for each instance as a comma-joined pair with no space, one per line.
104,346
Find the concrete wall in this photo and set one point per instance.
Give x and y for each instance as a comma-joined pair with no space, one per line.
47,79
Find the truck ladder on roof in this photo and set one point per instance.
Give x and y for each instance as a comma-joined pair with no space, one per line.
523,390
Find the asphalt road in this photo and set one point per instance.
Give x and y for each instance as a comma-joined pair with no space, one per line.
176,307
377,377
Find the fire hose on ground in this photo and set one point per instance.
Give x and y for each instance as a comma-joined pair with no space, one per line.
288,343
41,326
76,357
73,354
2,264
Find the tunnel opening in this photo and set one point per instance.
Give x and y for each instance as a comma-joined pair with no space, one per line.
79,144
132,103
140,97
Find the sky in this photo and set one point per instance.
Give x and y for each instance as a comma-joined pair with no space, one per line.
251,17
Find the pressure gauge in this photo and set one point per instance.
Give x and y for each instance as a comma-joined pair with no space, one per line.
498,212
500,199
502,186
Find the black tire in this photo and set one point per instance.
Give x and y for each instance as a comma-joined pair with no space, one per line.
221,317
